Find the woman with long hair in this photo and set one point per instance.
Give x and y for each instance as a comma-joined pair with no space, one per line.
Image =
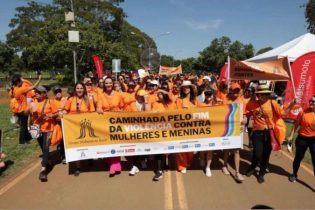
305,139
112,101
186,100
79,103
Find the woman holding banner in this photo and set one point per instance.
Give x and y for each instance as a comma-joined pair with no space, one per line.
79,103
111,101
187,99
263,110
210,100
140,105
163,103
305,139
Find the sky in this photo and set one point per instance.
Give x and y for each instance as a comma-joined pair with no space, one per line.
193,24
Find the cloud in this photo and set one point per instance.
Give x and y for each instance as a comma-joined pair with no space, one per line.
203,25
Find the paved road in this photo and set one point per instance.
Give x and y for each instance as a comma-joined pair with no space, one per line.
95,189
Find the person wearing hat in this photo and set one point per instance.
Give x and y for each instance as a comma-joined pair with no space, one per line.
43,113
186,100
263,110
21,90
152,90
233,97
60,102
140,105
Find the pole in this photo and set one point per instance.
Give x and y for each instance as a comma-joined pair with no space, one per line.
75,66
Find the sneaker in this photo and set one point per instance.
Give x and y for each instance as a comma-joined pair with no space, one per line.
239,177
261,179
225,170
43,176
184,171
63,161
144,164
134,170
208,172
267,170
289,147
202,162
292,178
77,172
158,176
250,172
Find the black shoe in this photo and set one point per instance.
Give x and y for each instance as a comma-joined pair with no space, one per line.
261,179
292,178
77,172
250,172
157,176
49,168
43,176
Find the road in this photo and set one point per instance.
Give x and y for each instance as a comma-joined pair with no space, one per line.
95,189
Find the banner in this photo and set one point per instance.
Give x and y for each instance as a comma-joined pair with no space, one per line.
223,73
278,69
165,70
92,135
303,73
98,65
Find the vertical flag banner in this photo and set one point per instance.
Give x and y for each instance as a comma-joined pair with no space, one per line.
98,65
223,73
303,73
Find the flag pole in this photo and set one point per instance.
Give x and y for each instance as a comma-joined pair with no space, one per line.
228,76
291,76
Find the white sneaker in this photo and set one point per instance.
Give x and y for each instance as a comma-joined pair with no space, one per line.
225,170
143,164
289,147
184,171
208,172
134,170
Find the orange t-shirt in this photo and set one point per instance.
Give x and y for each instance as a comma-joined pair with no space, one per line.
14,105
159,107
307,123
172,96
151,98
128,98
113,102
20,96
73,106
185,103
263,118
46,125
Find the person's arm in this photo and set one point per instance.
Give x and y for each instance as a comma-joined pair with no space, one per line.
36,83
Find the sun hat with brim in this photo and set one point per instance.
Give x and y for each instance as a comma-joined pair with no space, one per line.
41,89
186,83
141,92
154,82
263,89
207,78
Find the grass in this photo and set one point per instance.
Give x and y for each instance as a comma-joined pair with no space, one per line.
17,155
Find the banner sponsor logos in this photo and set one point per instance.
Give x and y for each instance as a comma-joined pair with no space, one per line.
303,73
166,70
142,133
278,69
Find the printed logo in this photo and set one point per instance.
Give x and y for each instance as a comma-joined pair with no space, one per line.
113,151
171,147
83,155
130,150
197,145
147,149
120,151
211,144
86,125
185,146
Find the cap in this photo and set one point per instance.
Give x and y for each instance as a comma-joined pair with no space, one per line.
141,92
207,78
154,82
41,89
56,88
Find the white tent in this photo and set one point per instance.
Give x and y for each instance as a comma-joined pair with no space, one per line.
293,49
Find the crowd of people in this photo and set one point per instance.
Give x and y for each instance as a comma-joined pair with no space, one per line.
128,92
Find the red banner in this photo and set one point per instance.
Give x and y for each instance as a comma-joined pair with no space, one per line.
99,66
223,73
303,73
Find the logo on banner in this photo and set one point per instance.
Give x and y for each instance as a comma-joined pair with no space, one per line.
83,155
86,126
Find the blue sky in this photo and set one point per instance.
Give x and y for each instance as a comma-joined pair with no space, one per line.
193,24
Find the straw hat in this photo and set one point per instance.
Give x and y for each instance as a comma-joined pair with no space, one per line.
186,83
263,89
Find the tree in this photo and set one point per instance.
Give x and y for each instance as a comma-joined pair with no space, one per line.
6,56
263,50
310,15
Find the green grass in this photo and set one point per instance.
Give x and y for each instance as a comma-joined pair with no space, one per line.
17,155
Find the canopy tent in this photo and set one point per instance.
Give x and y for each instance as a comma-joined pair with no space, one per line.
293,49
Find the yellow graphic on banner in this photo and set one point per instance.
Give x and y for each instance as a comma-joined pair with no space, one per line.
82,130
